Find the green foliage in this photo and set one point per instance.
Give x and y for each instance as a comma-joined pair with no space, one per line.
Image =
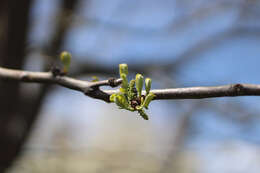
130,95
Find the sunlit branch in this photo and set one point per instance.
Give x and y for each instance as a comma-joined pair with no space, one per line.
93,90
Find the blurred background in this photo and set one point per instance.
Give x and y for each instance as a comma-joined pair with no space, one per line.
178,43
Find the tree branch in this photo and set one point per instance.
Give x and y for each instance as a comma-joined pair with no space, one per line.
93,90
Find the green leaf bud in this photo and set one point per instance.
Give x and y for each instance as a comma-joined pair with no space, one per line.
131,85
123,69
148,83
139,79
131,90
121,101
148,99
124,82
94,79
112,97
65,58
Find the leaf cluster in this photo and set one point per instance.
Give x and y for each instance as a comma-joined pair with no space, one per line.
130,95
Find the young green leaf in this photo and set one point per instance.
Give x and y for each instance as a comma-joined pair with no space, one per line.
148,83
139,79
124,82
131,92
123,69
112,97
121,101
148,99
131,85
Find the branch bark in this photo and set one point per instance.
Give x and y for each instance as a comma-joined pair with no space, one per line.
93,90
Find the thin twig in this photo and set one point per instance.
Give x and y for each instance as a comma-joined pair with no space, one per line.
92,88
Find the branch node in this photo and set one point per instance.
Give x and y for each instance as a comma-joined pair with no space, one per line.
56,71
112,82
24,76
238,88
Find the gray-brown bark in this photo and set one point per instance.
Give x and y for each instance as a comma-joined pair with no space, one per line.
92,88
